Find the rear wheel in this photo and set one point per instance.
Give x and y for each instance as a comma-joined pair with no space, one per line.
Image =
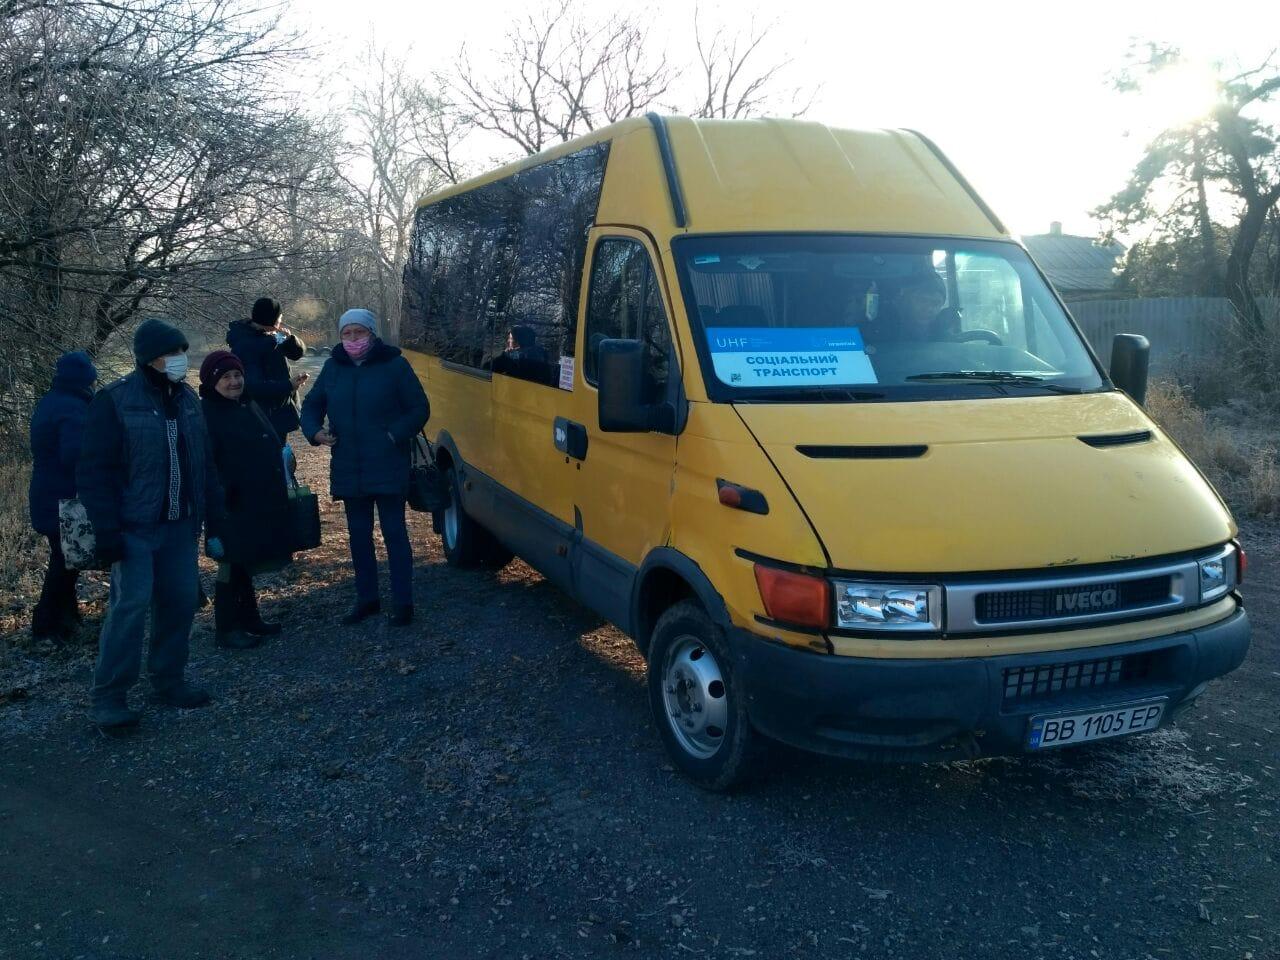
466,543
698,701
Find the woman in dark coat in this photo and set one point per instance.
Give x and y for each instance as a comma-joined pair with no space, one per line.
56,427
246,450
375,407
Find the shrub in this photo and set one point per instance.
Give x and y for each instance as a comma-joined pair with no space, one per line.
1246,475
22,550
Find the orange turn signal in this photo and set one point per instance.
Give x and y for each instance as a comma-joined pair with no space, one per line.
1242,561
794,597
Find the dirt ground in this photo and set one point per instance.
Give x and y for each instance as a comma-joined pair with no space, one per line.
488,783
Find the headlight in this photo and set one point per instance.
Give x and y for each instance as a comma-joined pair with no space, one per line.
888,606
1219,574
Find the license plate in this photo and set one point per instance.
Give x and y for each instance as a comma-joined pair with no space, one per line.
1066,729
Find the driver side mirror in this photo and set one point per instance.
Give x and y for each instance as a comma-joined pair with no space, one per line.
1130,361
620,365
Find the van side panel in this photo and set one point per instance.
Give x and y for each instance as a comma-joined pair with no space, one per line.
461,405
716,445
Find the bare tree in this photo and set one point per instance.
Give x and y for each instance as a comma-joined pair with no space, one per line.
403,145
561,74
738,78
142,144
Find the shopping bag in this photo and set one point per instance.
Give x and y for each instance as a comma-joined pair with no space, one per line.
427,490
79,544
304,519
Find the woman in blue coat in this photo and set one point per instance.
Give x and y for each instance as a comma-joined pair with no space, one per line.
56,428
375,407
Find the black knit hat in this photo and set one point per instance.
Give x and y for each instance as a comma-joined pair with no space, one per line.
265,312
155,338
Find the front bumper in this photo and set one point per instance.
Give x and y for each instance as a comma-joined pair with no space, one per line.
956,708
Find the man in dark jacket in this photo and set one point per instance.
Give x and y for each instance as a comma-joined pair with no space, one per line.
56,428
375,406
147,481
265,347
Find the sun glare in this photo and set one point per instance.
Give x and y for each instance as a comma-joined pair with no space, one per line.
1179,94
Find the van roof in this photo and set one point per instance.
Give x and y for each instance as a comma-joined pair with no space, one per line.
768,175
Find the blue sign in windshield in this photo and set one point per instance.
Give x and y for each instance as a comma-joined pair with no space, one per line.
789,357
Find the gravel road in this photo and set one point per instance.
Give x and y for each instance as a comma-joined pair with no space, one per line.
488,784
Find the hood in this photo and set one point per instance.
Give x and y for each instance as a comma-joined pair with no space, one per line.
1001,484
240,332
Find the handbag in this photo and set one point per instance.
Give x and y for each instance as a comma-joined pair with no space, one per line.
304,519
427,490
75,532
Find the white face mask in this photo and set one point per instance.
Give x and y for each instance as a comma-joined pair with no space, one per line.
175,368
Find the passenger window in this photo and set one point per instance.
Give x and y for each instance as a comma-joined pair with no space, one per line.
625,303
492,276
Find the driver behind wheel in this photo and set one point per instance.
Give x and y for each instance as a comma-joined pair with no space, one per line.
914,309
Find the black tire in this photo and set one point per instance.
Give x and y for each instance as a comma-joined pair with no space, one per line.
686,634
467,544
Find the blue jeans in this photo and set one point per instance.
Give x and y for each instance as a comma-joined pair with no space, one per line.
158,575
396,537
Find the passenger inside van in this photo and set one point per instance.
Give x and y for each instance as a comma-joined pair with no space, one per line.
524,357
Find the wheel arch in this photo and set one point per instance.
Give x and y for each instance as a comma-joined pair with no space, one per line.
665,578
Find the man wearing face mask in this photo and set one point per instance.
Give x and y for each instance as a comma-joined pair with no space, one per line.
147,479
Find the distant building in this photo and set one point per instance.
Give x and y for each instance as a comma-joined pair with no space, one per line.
1080,268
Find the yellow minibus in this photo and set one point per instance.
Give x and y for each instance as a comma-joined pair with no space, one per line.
788,405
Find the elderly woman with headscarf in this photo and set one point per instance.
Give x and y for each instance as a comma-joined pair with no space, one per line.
375,406
255,533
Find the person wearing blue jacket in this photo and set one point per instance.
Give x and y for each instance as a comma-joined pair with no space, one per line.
375,407
56,428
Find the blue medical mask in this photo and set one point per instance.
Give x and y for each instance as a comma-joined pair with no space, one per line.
175,368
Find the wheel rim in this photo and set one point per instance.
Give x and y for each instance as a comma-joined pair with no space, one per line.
695,697
451,518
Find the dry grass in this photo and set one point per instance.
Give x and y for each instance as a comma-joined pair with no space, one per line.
22,551
1246,473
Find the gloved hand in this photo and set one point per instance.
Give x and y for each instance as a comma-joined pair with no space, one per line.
214,549
109,548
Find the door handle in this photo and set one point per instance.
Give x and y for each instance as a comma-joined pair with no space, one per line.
570,438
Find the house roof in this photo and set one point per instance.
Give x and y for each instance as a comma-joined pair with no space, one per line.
1075,264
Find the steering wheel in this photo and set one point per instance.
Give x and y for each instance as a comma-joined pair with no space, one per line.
985,336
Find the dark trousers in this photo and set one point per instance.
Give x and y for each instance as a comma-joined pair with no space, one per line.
56,610
396,537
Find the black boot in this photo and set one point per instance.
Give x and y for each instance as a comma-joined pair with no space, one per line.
402,615
69,608
251,621
226,615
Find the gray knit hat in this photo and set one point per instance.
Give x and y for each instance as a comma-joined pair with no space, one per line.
359,317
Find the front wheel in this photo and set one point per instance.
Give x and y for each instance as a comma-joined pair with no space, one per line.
698,701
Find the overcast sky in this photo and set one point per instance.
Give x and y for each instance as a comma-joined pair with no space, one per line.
1015,92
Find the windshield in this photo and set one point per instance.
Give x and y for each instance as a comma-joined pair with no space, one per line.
875,318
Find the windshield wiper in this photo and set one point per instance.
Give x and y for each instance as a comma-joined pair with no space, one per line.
1001,377
813,395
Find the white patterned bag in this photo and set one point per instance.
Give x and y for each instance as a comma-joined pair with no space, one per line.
79,545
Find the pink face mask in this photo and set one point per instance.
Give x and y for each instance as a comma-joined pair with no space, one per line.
357,348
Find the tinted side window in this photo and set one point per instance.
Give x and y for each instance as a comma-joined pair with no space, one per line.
493,274
626,303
